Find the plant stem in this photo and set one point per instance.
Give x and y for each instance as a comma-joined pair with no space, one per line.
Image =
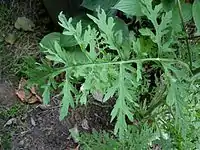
187,40
190,38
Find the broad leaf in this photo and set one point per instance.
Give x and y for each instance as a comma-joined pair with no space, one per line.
187,11
75,56
130,7
176,20
168,4
49,40
195,12
94,4
187,15
120,25
67,40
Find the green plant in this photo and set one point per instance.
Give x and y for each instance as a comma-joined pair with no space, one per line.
12,112
134,139
5,141
153,82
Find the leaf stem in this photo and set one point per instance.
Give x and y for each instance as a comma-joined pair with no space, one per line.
186,38
130,61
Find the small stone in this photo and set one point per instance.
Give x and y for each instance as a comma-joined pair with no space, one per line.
97,95
10,122
74,133
33,122
84,124
24,117
43,107
21,143
24,24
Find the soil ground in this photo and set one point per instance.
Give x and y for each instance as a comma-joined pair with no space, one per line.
34,127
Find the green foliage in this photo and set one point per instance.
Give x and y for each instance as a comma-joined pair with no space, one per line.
14,111
6,134
6,141
147,74
134,139
124,5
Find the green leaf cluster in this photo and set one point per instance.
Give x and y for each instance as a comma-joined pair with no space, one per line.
147,74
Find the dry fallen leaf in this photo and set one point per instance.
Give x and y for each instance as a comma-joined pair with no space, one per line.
84,124
24,24
11,38
33,90
39,98
32,100
97,95
77,147
20,94
74,133
28,96
22,83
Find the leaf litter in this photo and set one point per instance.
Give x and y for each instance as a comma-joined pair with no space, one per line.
27,95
